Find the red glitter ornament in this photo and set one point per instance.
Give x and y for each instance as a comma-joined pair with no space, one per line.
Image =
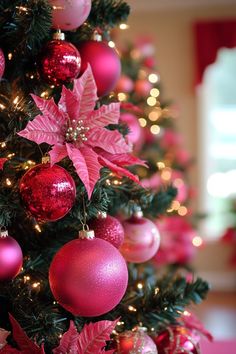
178,340
109,229
48,192
60,61
2,63
105,64
11,257
88,277
135,342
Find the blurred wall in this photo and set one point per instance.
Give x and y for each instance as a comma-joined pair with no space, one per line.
171,30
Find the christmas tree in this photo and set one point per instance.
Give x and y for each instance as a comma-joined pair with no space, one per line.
67,173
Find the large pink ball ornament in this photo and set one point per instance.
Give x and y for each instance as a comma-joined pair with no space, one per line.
88,277
60,61
11,257
142,239
2,63
105,64
69,14
135,342
48,192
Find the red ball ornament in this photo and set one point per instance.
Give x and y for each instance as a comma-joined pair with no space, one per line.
178,340
135,342
11,257
2,63
60,61
48,192
69,14
105,64
142,239
124,84
109,229
142,88
135,129
88,277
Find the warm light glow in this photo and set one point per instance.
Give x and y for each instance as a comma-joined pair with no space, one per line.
122,96
11,155
8,182
123,26
3,144
155,129
186,313
154,115
182,211
26,278
160,165
10,56
111,44
151,101
175,205
2,106
157,291
140,286
16,100
44,94
35,285
154,92
153,78
37,227
178,182
142,122
132,309
197,241
166,174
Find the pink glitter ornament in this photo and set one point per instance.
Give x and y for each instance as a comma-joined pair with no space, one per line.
124,84
135,342
48,192
88,277
69,14
109,229
11,257
142,239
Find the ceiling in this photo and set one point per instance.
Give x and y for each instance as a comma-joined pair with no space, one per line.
141,5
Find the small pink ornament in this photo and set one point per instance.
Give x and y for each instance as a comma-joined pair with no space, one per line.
88,277
135,342
11,257
178,340
68,15
60,61
135,129
105,64
142,87
2,63
124,84
48,192
109,229
142,239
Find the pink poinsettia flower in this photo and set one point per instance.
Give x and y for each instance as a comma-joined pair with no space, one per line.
76,130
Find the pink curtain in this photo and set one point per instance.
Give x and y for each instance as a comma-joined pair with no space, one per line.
209,37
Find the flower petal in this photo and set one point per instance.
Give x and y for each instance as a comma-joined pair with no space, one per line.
43,130
69,103
86,90
111,141
107,114
117,169
49,109
58,153
122,159
85,161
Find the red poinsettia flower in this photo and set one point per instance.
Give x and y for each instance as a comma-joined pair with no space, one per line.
78,131
2,162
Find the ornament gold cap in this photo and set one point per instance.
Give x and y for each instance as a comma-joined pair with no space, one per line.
58,35
86,234
102,215
3,231
46,159
97,36
139,328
